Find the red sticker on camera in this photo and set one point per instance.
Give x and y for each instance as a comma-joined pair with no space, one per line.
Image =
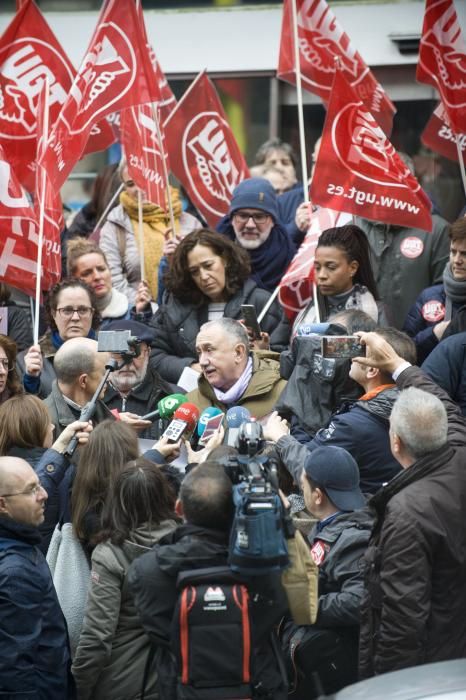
433,311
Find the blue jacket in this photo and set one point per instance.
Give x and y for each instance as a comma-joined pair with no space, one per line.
288,202
424,314
34,651
446,365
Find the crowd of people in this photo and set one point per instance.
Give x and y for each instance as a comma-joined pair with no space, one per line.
369,448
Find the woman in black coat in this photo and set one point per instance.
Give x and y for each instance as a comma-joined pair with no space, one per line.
209,278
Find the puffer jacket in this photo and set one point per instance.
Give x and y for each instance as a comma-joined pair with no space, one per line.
176,326
415,566
113,647
361,428
446,365
34,650
262,392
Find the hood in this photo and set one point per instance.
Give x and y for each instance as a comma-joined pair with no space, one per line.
192,547
380,405
361,519
144,538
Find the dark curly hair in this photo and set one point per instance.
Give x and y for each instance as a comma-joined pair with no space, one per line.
178,279
13,384
352,241
52,301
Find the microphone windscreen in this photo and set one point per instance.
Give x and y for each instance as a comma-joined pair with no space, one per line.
189,413
206,415
168,405
236,416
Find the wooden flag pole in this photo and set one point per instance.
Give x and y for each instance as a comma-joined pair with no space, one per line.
165,170
141,237
461,161
43,175
299,94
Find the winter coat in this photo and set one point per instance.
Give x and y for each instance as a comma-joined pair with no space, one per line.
361,428
18,326
425,313
177,324
446,365
405,261
123,258
113,647
338,548
413,611
152,581
34,649
316,386
261,395
141,400
288,202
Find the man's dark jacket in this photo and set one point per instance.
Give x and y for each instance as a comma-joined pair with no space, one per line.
446,365
34,650
414,606
141,400
152,580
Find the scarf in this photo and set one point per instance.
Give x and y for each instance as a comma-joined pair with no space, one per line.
57,340
238,388
454,289
155,222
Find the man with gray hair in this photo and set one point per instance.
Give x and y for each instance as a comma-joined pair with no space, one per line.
231,374
413,610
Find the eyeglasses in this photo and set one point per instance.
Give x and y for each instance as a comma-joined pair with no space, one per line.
5,362
243,217
31,491
82,311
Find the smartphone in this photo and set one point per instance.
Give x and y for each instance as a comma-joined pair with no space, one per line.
342,346
210,427
250,320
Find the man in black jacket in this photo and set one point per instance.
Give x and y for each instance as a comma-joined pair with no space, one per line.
206,505
413,611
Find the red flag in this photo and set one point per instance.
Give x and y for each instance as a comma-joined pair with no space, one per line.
115,74
442,59
18,232
358,170
143,152
439,137
295,289
29,51
53,210
204,155
321,38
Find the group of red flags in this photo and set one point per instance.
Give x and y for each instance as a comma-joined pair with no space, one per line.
51,115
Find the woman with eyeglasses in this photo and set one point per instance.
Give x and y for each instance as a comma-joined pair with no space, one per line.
209,277
10,384
120,242
70,309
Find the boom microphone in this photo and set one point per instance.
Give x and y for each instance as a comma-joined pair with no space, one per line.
166,407
235,417
206,415
184,421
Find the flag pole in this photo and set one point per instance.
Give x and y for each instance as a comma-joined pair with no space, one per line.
43,175
461,161
269,303
141,237
108,208
299,94
165,171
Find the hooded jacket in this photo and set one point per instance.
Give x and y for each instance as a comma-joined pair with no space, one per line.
177,324
361,428
261,395
113,647
415,566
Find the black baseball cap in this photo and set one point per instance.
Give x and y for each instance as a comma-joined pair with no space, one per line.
335,470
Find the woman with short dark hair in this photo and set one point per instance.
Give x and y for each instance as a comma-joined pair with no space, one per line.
113,648
209,277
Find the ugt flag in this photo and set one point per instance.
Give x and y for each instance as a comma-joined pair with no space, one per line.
442,59
358,170
321,38
204,155
440,137
115,74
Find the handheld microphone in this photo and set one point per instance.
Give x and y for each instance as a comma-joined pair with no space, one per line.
184,421
235,417
166,407
206,414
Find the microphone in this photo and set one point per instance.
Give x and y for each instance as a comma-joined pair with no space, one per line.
206,415
184,421
235,417
166,407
